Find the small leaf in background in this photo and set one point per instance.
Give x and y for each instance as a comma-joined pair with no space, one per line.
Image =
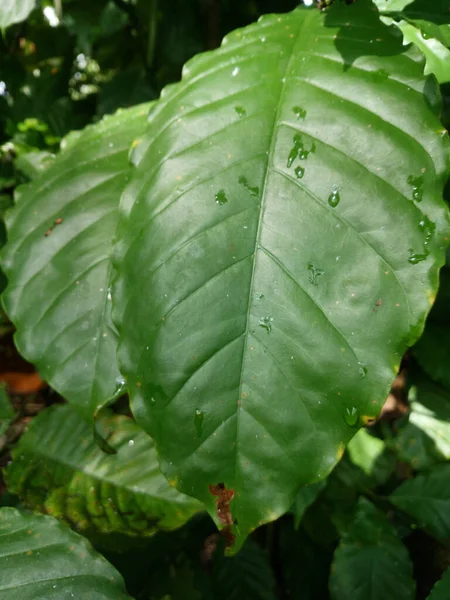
58,262
371,560
432,351
305,564
247,575
391,5
423,438
32,164
14,11
370,454
304,498
436,54
426,499
441,590
42,558
58,469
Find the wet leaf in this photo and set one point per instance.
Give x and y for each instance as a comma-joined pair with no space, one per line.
282,318
58,469
42,558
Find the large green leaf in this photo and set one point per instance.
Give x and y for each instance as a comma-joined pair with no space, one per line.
41,558
57,468
15,11
426,498
371,561
285,205
441,590
58,262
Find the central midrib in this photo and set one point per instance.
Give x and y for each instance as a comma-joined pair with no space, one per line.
257,237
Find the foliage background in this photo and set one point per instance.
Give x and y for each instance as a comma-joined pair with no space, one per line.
67,66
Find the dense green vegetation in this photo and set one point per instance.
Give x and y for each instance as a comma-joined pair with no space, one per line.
231,276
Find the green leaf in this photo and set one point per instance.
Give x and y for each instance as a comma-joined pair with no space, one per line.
432,351
424,439
304,498
32,164
426,498
57,468
436,54
15,11
371,561
391,5
41,558
58,262
269,188
369,453
247,575
7,412
441,590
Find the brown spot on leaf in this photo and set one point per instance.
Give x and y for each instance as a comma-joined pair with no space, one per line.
224,497
58,221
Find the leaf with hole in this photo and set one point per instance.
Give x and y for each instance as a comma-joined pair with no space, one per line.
264,310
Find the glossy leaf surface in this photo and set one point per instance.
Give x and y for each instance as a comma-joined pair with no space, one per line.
58,262
268,289
15,11
426,498
41,558
57,468
371,561
436,54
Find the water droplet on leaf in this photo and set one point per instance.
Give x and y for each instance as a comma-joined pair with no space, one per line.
351,416
314,273
121,385
299,112
428,228
299,171
298,146
266,323
417,185
254,191
417,257
221,198
198,421
334,198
